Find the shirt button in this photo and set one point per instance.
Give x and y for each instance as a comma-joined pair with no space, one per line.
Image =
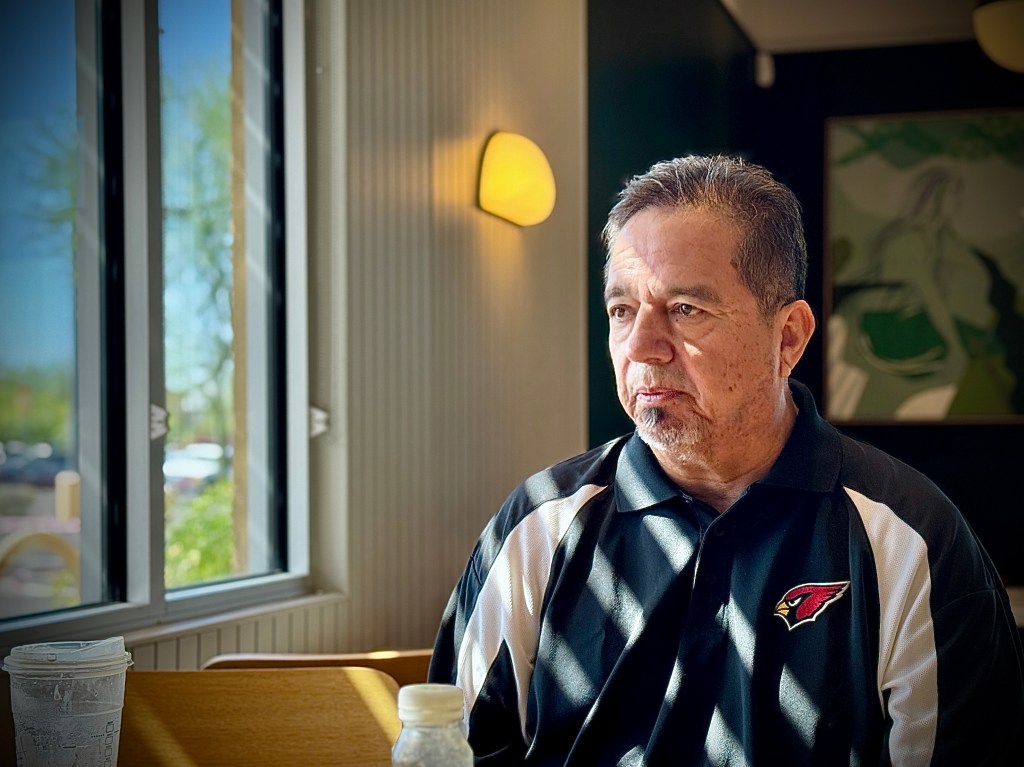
711,578
719,530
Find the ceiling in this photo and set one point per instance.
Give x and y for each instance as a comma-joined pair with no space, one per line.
792,26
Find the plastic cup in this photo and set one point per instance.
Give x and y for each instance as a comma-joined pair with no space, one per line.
66,698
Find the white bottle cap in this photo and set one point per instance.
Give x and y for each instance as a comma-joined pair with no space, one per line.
430,703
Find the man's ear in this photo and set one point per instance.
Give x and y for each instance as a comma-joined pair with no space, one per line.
796,321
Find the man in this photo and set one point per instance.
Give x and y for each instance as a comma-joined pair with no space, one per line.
736,582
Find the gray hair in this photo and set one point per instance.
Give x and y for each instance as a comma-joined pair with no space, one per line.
772,257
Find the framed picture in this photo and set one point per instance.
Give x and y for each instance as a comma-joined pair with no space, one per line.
924,275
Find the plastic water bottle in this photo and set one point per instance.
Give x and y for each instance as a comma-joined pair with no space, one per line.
433,728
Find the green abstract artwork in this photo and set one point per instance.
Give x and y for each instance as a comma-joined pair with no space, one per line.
925,268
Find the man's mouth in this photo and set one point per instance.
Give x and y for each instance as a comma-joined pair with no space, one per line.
654,397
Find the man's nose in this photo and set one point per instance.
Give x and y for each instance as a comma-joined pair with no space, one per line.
649,341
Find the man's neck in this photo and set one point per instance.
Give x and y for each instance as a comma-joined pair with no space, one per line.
720,475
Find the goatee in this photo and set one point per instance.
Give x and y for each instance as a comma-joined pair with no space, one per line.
661,431
650,417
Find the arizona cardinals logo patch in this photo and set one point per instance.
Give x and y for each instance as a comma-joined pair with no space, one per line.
806,602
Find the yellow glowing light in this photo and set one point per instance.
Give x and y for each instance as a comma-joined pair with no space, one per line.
516,182
999,27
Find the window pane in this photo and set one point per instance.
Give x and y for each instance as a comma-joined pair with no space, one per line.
40,218
213,86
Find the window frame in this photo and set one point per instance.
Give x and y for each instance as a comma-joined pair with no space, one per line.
145,602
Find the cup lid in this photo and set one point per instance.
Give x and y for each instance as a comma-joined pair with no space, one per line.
102,656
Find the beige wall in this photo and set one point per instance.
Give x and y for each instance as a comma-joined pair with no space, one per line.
447,345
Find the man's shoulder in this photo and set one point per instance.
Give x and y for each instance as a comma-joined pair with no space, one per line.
538,511
887,479
903,511
875,477
584,472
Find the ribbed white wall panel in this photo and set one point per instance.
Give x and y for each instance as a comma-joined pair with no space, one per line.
448,345
301,625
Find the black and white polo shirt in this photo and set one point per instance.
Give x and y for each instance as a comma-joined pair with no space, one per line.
840,612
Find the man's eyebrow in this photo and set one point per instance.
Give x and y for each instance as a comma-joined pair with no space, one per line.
702,292
699,291
614,291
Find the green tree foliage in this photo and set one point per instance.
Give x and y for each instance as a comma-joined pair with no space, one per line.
35,406
198,320
199,540
197,254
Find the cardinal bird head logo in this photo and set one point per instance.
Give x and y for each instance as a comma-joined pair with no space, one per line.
805,603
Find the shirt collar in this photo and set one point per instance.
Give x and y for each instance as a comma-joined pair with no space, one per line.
640,482
810,460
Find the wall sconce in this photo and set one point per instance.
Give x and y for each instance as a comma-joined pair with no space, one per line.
516,182
999,27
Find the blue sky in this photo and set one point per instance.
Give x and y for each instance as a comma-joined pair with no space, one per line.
37,93
37,88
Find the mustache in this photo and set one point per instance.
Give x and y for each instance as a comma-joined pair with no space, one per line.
656,380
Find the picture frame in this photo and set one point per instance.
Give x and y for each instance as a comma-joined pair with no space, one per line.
924,268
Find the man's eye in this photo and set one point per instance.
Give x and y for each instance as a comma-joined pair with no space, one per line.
686,310
618,312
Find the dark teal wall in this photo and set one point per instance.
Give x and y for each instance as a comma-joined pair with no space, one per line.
667,78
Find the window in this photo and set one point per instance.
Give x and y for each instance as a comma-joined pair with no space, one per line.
39,533
152,312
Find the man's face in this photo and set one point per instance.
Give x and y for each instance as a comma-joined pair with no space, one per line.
696,364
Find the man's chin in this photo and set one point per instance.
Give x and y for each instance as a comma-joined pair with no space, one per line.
657,439
662,432
668,438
